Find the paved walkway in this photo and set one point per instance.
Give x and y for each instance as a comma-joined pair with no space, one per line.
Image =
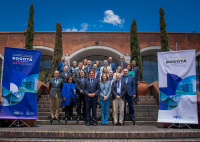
98,128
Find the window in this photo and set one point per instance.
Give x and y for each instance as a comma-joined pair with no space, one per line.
45,63
94,58
150,68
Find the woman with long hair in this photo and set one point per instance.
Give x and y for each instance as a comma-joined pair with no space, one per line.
118,70
69,97
130,71
84,63
104,99
98,65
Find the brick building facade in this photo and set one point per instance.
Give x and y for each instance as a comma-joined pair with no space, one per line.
100,45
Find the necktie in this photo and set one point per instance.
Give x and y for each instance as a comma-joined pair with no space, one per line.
110,64
91,82
88,69
122,64
94,74
126,78
56,82
117,83
110,80
65,74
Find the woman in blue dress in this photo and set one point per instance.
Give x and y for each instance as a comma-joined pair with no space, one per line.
69,97
104,99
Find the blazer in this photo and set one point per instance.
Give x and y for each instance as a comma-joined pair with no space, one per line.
119,64
60,65
108,67
55,89
69,69
137,74
73,69
76,73
86,69
112,66
69,93
114,75
62,75
87,88
114,90
130,86
107,89
97,74
79,85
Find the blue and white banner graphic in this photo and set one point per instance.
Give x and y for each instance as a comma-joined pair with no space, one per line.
19,84
177,87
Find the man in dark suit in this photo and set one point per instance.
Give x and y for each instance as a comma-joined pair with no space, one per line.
80,94
55,88
121,63
61,64
65,74
130,94
96,72
89,66
69,68
91,89
118,96
111,64
136,78
76,72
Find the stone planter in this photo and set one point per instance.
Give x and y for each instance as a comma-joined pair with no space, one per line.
142,88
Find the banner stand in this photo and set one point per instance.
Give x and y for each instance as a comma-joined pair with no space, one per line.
179,126
18,120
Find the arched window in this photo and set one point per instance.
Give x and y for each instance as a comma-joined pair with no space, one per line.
45,63
150,68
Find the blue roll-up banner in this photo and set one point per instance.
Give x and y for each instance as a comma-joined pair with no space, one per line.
177,87
19,84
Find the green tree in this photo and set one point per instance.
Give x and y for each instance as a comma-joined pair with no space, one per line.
30,29
58,48
163,33
135,47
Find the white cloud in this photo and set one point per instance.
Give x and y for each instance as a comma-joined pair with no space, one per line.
84,27
111,18
69,29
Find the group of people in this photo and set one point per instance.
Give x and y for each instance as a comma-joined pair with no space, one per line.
110,85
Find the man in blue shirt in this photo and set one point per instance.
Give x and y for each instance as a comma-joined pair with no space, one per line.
61,64
111,64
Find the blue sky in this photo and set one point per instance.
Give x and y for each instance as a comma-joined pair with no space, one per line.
100,15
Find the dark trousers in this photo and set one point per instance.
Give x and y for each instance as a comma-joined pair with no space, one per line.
91,102
130,105
136,91
80,98
69,110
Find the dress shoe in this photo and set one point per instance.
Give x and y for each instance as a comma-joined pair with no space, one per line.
66,120
78,118
133,119
94,123
87,123
114,124
51,120
122,124
70,118
58,120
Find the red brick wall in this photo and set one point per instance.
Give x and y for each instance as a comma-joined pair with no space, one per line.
120,41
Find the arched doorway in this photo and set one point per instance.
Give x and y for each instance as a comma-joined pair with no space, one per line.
46,58
94,53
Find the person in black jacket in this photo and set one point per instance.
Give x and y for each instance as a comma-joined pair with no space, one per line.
80,94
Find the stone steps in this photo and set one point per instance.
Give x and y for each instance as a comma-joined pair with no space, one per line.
137,114
110,123
135,106
136,135
99,140
99,109
150,118
139,103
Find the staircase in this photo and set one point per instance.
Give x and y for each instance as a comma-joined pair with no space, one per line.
146,112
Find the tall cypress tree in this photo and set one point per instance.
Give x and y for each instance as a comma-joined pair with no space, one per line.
135,47
30,29
58,48
163,33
